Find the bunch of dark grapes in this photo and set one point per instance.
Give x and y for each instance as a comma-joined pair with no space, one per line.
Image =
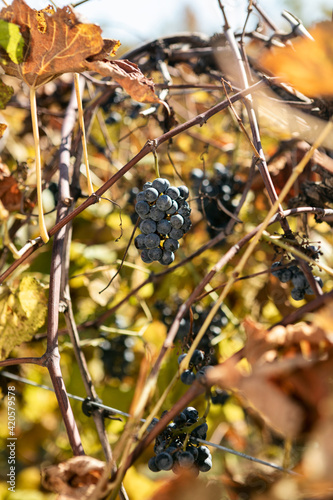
187,331
196,369
177,448
165,216
117,356
216,196
291,272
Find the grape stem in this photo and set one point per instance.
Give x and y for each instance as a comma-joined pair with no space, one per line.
34,120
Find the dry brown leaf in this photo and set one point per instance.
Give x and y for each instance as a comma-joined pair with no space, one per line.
291,339
74,478
57,42
307,65
10,194
129,76
187,487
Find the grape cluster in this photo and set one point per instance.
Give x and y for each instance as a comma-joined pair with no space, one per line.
292,273
196,368
173,451
216,193
185,334
165,215
117,356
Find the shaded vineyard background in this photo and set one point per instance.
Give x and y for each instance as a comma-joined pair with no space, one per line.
294,427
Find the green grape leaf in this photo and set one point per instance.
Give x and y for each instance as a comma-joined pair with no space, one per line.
6,92
12,41
22,313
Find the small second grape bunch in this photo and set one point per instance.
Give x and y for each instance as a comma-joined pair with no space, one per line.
177,447
165,215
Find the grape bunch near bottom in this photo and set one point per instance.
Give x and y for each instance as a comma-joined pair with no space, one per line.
165,218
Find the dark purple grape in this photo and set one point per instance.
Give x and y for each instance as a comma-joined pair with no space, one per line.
139,241
145,257
176,221
173,192
173,209
156,214
185,459
187,377
164,461
164,227
151,194
155,253
171,245
164,202
167,258
152,240
142,208
148,226
152,465
161,184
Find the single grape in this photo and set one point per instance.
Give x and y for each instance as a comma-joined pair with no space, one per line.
181,357
152,465
276,269
173,192
298,293
147,185
142,208
167,258
155,253
206,465
164,202
164,227
176,221
152,240
184,192
140,196
145,257
152,424
197,358
139,242
164,461
191,413
148,226
185,459
151,194
180,419
187,377
193,450
170,244
156,214
203,453
285,275
200,431
161,184
173,209
184,212
299,280
176,234
187,224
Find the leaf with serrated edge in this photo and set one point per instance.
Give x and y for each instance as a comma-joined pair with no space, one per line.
22,313
61,45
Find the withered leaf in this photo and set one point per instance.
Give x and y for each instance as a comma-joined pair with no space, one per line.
58,45
307,64
57,42
129,76
74,478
